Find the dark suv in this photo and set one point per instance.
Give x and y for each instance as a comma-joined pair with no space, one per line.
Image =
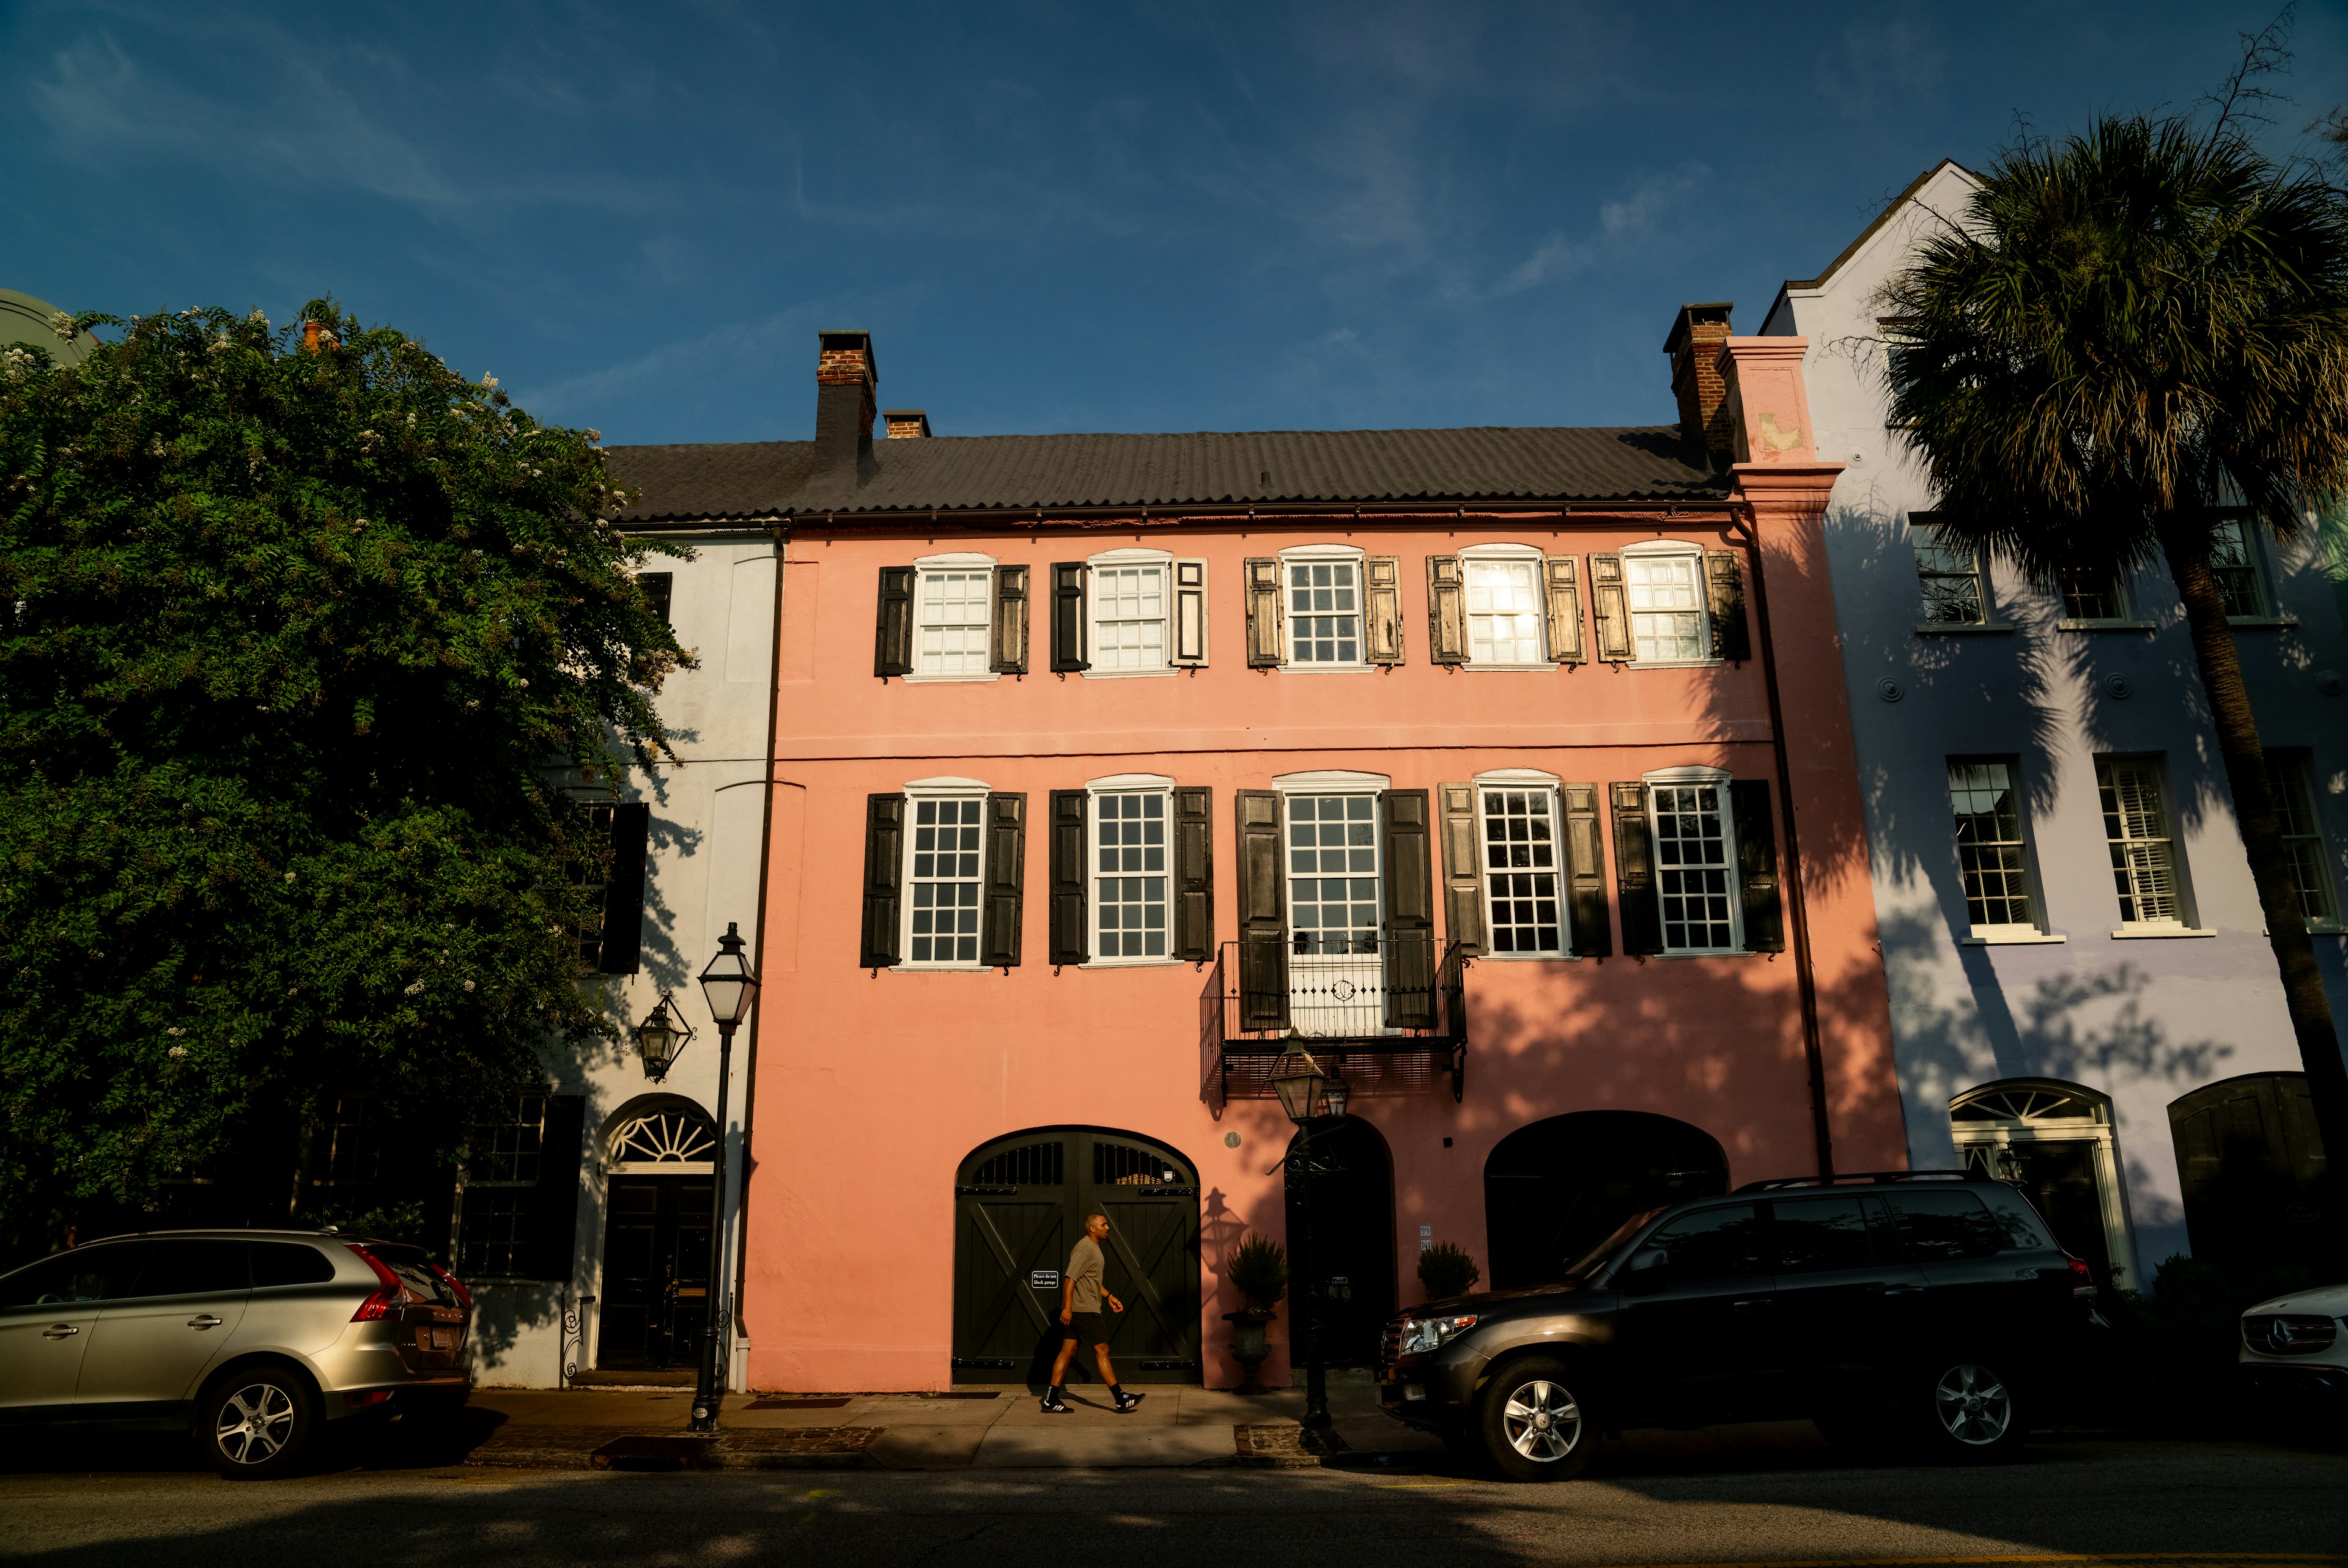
1929,1305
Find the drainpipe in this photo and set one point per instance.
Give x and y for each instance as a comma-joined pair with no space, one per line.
1796,913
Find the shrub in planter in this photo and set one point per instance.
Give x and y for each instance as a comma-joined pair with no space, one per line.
1446,1270
1259,1267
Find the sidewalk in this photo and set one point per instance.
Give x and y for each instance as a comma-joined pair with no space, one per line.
990,1428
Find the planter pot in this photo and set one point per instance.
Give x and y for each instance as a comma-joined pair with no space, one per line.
1248,1347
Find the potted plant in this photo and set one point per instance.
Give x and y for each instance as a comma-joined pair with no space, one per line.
1445,1270
1259,1268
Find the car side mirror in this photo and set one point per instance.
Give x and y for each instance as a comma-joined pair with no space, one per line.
1650,1272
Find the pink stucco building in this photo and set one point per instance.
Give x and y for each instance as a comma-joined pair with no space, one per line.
1104,765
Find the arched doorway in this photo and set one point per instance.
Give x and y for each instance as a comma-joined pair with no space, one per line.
1349,1247
658,1155
1020,1203
2251,1164
1556,1188
2053,1139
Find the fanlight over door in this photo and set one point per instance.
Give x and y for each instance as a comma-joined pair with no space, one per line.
2053,1139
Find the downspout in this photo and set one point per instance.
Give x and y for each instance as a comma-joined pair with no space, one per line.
757,1004
1797,912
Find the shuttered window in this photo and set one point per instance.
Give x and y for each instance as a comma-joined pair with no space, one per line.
1130,608
1130,875
944,881
1694,874
611,938
950,634
2136,825
1332,873
1525,906
1667,614
1504,611
1323,601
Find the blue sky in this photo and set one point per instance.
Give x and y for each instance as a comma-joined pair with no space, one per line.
1051,216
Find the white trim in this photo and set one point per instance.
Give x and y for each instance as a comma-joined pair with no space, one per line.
1662,547
1528,780
2119,1243
919,679
1324,552
1523,778
1126,555
1124,784
2008,937
1666,549
1687,773
1127,783
1331,781
937,788
661,1168
1518,554
953,560
1130,555
1698,773
1500,553
2155,929
1289,663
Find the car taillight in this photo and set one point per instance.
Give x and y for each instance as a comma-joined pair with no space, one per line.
388,1294
2083,1283
464,1296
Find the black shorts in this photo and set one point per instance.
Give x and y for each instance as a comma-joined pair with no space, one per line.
1086,1328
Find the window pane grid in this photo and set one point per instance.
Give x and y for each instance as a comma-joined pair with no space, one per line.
1128,617
1504,612
1333,870
1520,871
2288,776
2091,596
1949,577
945,881
1129,876
1990,850
954,612
2235,569
1324,613
1667,617
2136,823
1691,870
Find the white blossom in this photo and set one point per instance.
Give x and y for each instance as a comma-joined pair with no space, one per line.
177,1052
257,319
468,985
63,325
15,364
415,989
175,1030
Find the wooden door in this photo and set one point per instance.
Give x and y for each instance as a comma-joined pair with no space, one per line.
655,1272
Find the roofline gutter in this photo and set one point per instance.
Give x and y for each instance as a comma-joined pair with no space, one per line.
1127,515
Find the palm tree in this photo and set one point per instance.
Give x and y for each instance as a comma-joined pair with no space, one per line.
2127,330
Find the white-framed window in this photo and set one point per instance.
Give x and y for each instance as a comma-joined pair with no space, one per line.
1695,860
1321,593
954,613
1519,829
1130,601
1506,609
2144,871
1993,859
945,868
1949,577
2291,775
1335,902
1664,586
2234,561
2093,598
1129,868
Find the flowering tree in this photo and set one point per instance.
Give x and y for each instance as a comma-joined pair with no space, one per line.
293,632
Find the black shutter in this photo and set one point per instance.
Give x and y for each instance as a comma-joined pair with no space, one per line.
1463,869
1008,636
1635,871
1724,585
1757,866
659,588
884,869
1410,910
1194,874
1070,935
1264,914
1068,616
1006,859
893,635
555,1235
621,951
1585,873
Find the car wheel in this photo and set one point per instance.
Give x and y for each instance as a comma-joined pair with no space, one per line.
1973,1412
1537,1422
255,1425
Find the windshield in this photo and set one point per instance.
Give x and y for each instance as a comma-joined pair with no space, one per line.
1593,1260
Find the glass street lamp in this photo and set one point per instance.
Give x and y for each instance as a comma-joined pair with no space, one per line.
727,985
661,1036
1302,1085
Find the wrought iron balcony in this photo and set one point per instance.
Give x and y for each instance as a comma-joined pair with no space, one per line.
1389,1018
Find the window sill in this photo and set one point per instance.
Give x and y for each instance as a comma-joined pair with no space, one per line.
2107,626
2263,620
1133,964
1667,664
1540,958
918,680
2145,933
1291,668
2019,939
1962,628
1126,674
941,968
1713,953
1506,668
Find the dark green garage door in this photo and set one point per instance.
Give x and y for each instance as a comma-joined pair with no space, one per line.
1019,1205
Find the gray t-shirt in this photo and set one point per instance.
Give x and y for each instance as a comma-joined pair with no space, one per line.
1085,1274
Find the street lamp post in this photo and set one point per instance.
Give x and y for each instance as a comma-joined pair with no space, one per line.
1304,1087
727,985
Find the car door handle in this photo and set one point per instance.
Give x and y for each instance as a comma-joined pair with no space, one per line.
1756,1303
1903,1290
59,1332
205,1321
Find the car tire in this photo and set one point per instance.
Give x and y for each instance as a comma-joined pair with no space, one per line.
1968,1409
1536,1421
256,1424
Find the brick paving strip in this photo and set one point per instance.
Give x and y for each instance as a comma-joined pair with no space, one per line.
597,1448
1285,1445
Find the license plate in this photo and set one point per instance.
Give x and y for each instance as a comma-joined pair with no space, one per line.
440,1339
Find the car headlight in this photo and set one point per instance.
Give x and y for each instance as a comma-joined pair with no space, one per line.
1423,1334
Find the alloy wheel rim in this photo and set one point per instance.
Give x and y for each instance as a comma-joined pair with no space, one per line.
1542,1421
255,1423
1973,1404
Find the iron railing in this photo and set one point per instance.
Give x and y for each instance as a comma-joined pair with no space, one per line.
1390,1016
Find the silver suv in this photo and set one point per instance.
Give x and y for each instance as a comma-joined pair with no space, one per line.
248,1340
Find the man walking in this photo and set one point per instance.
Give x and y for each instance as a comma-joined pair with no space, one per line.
1081,1321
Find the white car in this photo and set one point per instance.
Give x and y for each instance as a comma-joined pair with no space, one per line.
2296,1345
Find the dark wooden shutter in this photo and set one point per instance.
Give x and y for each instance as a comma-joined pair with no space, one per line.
1266,632
1410,910
1724,584
1446,610
554,1236
1592,934
1611,606
892,636
1068,616
1190,612
1757,866
1008,638
1071,935
1635,871
1006,861
884,869
1561,588
1463,869
621,951
1194,874
1263,913
1382,610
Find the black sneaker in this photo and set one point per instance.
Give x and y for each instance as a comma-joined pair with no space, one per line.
1053,1405
1126,1401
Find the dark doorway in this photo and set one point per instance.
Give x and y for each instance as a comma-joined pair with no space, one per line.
1555,1189
1020,1204
655,1272
1350,1249
2252,1165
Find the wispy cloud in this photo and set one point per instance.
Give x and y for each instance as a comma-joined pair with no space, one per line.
1624,224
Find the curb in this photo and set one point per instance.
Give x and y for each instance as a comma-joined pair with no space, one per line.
819,1448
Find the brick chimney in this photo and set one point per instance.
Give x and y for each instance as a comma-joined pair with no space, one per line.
845,380
906,424
1697,337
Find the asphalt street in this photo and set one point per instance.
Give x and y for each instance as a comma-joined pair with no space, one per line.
2177,1505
